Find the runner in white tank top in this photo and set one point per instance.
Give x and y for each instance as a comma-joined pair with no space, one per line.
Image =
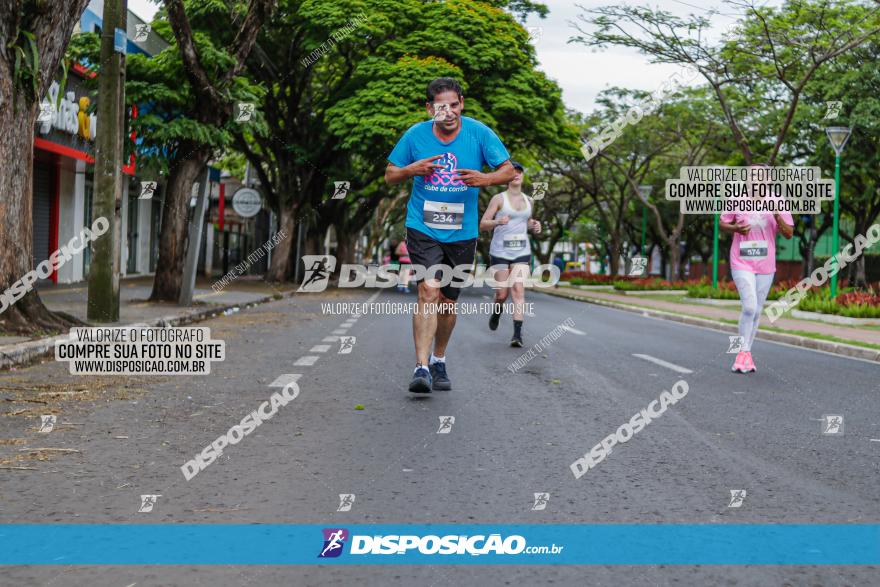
509,216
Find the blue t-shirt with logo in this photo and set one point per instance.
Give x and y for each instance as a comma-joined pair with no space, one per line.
442,207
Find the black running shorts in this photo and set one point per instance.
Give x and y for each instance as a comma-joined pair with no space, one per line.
504,263
425,251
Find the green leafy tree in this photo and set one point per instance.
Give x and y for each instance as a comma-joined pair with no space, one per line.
191,90
759,71
335,117
853,80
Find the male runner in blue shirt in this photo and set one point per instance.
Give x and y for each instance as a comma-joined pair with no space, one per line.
444,157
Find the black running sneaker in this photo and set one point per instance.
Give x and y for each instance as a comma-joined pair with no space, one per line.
441,380
494,319
516,340
421,381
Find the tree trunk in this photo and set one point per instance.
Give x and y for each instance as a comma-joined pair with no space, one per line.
172,240
281,266
614,255
344,247
674,259
17,119
51,27
314,245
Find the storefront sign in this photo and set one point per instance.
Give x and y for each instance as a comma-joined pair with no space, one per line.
69,115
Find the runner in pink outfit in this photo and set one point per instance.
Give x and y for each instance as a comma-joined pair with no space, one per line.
752,266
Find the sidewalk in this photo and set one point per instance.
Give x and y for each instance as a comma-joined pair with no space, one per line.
134,308
849,340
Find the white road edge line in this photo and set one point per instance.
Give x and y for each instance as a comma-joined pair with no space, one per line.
572,330
663,363
306,361
713,329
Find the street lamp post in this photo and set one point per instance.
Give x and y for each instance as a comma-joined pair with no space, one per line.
644,194
837,136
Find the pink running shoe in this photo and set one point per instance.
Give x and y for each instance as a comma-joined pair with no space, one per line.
739,365
750,363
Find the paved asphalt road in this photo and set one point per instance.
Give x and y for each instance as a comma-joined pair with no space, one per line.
514,434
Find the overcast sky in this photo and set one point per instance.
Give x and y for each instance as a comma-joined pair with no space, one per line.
580,73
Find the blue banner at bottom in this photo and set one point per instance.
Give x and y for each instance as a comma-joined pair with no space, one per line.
487,544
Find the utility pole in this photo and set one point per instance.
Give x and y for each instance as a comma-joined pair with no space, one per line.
103,297
194,244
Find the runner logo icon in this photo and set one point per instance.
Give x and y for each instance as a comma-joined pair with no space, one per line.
47,423
737,496
346,500
334,540
318,271
346,344
639,264
736,343
147,503
539,190
446,423
541,500
833,109
340,189
832,424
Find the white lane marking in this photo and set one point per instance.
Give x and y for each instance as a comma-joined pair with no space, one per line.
320,348
663,363
285,379
576,331
338,331
874,439
373,297
306,361
351,321
330,339
726,332
345,326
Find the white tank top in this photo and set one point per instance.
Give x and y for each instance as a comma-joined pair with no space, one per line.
511,240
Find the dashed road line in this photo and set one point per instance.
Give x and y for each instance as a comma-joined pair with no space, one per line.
662,363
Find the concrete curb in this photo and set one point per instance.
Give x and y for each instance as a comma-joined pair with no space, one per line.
837,348
834,318
654,292
26,353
